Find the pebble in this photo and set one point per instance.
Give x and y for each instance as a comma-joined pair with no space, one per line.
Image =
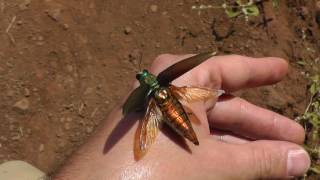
69,68
2,138
54,14
59,133
69,119
154,8
26,92
10,93
127,30
66,126
89,130
22,104
19,23
15,138
41,148
24,5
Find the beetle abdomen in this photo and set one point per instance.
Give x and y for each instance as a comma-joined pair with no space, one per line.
174,114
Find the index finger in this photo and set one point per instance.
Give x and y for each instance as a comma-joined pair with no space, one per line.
230,72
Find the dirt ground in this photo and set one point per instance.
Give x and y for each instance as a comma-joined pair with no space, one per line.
65,64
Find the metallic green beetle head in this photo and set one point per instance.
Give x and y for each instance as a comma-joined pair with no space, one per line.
146,78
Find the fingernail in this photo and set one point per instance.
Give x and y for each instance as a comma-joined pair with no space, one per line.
298,162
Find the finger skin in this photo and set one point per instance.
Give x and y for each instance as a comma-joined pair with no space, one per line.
269,160
230,73
245,119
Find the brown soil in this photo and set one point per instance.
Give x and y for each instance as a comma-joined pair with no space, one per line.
65,64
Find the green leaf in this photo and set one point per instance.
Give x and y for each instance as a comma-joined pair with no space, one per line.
252,10
231,13
301,63
314,89
276,4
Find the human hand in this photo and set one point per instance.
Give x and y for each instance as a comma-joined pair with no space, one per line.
271,152
235,157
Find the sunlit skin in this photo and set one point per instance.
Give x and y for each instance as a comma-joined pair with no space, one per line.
276,137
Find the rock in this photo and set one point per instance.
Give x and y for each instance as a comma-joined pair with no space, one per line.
59,133
54,14
69,119
69,68
154,8
19,23
15,138
127,30
10,93
22,104
66,126
24,5
89,90
2,138
89,130
26,92
41,148
16,170
157,45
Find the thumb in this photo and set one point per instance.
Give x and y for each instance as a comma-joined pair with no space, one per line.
271,160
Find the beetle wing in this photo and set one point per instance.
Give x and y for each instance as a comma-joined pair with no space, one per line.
149,127
194,94
136,100
181,67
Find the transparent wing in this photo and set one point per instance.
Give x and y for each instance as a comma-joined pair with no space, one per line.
194,94
136,100
149,127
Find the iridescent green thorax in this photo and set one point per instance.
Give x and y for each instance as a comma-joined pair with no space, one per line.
146,78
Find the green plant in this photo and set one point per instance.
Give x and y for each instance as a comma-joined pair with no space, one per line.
311,121
242,7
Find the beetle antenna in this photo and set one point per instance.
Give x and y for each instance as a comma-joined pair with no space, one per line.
140,61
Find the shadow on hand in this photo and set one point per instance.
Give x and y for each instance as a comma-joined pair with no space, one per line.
166,130
124,125
176,138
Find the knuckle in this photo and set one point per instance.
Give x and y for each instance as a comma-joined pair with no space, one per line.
262,160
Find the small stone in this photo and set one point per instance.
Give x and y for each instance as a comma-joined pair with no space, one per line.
2,138
40,38
41,148
69,119
154,8
66,126
26,92
24,5
127,30
15,138
19,23
55,14
69,68
59,133
65,26
62,119
89,130
10,93
157,45
23,104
